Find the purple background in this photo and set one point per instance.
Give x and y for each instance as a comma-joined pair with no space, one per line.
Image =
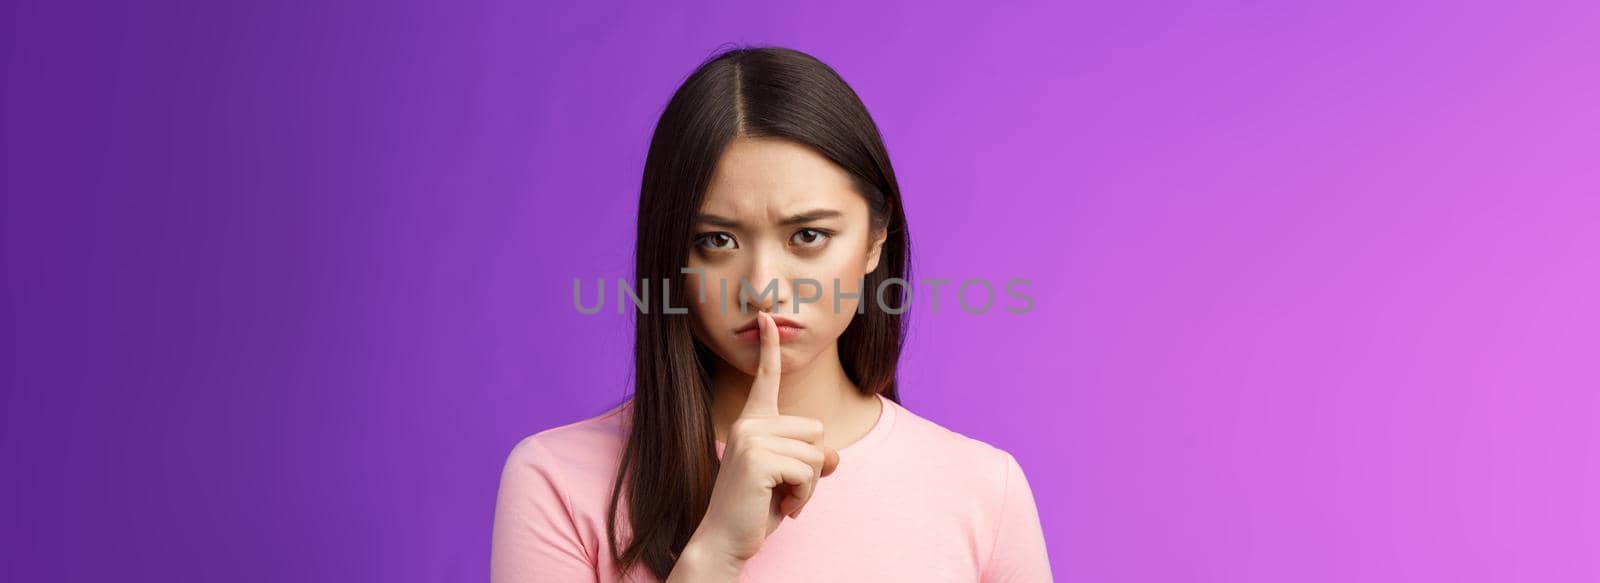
1315,284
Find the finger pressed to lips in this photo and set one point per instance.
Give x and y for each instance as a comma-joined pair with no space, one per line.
785,334
763,399
787,331
788,444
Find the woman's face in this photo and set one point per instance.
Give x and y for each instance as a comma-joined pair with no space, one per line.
777,211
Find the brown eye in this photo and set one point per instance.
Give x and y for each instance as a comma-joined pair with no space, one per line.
717,241
810,237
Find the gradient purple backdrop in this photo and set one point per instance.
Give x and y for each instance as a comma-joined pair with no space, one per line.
1315,285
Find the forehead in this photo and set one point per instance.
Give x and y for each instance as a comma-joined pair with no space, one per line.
758,177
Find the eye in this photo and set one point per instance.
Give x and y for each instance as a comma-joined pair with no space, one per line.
718,241
810,237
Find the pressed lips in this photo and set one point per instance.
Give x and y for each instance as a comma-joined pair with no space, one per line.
751,332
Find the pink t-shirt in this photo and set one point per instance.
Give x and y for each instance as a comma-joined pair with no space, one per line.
910,501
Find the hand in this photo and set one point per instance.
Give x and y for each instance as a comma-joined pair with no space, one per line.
771,464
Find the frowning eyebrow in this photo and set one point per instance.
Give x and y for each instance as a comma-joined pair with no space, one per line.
805,217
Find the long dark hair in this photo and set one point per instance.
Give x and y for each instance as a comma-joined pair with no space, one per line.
669,464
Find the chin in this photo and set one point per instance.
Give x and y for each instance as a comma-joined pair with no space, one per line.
749,359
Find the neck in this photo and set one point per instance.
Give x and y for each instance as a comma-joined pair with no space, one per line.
820,390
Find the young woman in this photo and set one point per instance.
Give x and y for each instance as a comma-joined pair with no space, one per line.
764,440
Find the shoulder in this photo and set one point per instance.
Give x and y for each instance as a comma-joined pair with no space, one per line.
981,487
579,454
550,508
977,467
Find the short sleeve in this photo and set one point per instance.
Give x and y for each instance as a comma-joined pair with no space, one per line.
535,538
1019,553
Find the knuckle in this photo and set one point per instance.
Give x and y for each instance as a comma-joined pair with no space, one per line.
815,457
756,442
752,458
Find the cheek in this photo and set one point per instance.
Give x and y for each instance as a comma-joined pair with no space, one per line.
704,311
847,271
717,314
707,295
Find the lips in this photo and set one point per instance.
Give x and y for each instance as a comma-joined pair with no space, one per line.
787,329
755,324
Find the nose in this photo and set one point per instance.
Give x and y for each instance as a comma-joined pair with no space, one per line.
765,288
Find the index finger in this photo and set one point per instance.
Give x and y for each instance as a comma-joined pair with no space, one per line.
763,397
